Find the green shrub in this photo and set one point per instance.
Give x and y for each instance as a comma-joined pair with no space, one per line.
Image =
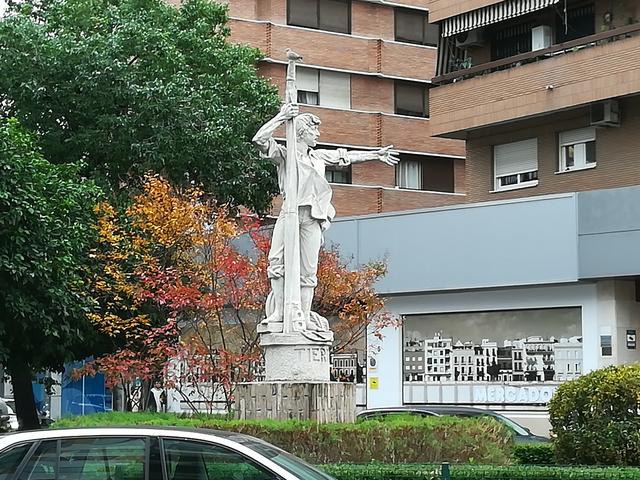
431,439
534,454
595,418
477,472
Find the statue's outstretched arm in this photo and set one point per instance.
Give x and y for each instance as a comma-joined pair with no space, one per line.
385,154
342,156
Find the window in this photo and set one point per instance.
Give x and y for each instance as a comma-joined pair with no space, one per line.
10,460
87,459
577,149
194,460
580,22
421,172
411,99
409,174
606,345
516,164
324,87
332,15
412,26
338,174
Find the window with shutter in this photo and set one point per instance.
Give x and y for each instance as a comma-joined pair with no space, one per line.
303,13
410,99
324,87
577,149
335,89
412,26
307,80
516,164
331,15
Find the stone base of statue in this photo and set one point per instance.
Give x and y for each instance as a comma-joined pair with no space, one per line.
323,402
296,356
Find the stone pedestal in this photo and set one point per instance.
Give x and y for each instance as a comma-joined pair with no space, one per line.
296,357
323,402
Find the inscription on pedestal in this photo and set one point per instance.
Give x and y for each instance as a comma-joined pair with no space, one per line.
312,354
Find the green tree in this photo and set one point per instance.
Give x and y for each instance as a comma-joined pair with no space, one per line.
131,86
46,229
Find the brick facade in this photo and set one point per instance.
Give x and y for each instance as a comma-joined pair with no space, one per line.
375,60
617,155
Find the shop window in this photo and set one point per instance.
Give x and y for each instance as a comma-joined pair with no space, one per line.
331,15
411,99
577,149
324,87
516,164
412,26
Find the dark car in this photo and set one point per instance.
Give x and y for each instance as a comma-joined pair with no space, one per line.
521,434
146,453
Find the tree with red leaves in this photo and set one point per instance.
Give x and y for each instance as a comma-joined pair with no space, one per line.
184,300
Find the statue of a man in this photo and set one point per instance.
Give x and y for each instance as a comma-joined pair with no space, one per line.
315,211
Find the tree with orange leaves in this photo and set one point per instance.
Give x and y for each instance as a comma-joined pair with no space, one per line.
174,256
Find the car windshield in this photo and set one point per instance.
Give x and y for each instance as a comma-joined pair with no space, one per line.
290,463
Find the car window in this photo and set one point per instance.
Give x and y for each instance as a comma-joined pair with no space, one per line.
88,459
42,464
10,459
290,463
189,460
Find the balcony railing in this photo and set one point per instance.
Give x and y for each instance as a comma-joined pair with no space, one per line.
529,57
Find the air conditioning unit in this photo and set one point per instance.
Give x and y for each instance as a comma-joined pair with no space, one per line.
472,38
541,37
605,114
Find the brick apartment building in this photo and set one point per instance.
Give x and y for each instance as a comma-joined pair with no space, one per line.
546,94
366,74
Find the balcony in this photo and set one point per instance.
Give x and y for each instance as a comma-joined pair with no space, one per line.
338,51
560,77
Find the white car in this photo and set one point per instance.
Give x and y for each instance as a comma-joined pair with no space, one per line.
146,453
8,409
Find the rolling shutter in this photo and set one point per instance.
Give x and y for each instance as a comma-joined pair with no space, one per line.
516,157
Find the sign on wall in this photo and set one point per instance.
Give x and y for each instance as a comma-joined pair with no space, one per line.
504,357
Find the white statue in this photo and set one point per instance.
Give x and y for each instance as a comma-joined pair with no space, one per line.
306,213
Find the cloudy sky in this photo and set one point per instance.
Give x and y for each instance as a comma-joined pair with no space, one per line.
500,326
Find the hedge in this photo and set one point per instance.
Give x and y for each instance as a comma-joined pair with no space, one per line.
429,440
534,454
595,417
477,472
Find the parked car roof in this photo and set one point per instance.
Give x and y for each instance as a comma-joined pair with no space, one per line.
522,434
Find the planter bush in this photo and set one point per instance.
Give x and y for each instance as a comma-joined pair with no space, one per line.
534,454
477,472
428,440
595,418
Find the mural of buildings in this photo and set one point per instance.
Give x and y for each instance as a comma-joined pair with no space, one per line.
530,359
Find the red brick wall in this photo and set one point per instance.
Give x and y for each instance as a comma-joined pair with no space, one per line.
372,20
337,51
372,93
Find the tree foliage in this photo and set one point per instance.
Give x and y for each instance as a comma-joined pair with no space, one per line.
131,86
178,253
45,235
595,417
